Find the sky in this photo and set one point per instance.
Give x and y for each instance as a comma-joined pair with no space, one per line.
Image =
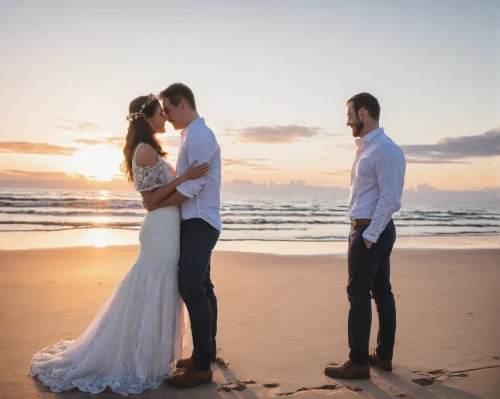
271,78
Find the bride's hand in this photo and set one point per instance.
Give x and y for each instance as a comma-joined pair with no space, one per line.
196,171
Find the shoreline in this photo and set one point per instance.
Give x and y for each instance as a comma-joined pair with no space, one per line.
101,238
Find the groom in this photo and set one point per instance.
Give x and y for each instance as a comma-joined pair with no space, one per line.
200,229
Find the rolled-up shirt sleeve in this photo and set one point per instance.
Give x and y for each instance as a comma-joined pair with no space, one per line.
390,167
201,150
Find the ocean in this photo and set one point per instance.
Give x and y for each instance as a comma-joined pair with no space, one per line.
251,219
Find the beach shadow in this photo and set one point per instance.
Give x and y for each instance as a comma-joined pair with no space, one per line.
239,389
206,391
45,392
389,385
373,390
225,385
435,390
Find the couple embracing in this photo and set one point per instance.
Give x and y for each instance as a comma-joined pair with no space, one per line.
135,341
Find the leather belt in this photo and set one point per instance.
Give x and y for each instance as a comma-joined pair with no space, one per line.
360,222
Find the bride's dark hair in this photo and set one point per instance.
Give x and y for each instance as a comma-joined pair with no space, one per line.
139,131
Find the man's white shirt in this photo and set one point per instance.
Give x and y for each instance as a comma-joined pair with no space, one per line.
199,143
377,180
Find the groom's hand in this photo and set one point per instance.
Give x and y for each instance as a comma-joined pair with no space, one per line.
368,243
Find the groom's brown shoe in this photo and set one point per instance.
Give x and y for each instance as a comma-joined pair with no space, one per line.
191,378
383,364
188,363
348,370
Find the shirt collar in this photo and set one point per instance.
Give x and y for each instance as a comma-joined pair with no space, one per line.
193,125
374,133
361,142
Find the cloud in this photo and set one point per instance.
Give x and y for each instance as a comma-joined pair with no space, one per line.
295,188
424,194
453,148
24,147
75,126
16,174
266,168
338,172
102,140
49,180
249,162
435,161
276,134
252,163
168,142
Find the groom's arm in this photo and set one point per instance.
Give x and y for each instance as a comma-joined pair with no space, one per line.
202,148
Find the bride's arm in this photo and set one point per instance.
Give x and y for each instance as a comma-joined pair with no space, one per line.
147,157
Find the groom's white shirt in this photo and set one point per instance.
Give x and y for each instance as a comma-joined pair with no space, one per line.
199,143
377,180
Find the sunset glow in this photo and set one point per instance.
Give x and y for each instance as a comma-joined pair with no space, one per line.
100,163
276,100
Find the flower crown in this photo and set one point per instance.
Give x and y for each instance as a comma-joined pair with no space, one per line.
140,114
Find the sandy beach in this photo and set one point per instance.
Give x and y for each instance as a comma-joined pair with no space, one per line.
282,319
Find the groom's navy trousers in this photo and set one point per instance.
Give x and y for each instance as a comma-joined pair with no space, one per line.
369,272
198,239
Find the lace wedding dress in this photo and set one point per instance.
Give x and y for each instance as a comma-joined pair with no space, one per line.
133,342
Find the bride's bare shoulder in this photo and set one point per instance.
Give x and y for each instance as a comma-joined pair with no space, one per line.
146,156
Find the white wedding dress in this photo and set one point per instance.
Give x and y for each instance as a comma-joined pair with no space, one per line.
133,342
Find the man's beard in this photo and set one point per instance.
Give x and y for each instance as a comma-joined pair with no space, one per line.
357,128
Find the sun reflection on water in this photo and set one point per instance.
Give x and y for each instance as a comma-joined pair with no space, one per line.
99,238
100,220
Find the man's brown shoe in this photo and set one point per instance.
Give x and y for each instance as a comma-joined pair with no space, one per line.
187,362
191,378
348,370
383,364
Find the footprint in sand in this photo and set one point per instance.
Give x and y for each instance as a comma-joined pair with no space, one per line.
424,381
353,388
235,386
430,377
434,375
271,385
242,385
438,372
329,387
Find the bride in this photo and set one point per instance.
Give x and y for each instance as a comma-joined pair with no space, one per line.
133,342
